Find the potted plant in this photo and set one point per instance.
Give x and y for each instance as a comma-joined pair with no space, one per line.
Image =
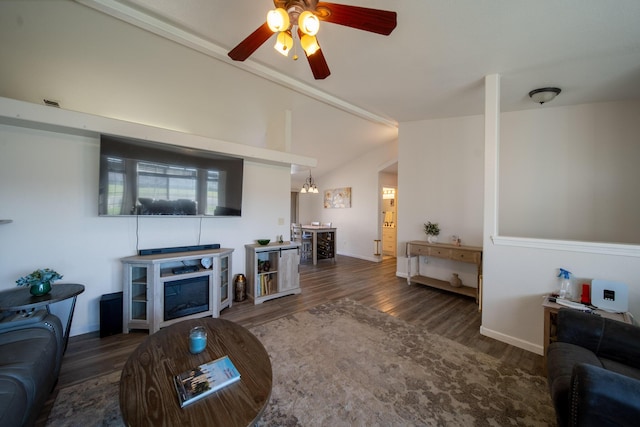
39,281
432,230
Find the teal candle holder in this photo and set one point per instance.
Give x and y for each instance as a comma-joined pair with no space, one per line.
197,339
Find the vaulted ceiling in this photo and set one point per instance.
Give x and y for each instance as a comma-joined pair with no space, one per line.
433,64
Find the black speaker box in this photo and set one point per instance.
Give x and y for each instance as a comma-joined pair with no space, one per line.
111,314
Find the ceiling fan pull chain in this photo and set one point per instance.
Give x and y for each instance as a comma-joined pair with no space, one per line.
295,45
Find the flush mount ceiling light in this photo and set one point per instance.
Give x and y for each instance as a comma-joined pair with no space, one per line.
306,16
544,94
309,186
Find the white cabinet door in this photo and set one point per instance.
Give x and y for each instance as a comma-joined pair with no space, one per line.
288,277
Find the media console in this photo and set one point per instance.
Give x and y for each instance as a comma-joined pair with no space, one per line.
165,288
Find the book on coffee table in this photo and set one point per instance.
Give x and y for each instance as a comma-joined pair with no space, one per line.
205,379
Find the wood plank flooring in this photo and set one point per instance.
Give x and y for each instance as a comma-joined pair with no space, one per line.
374,284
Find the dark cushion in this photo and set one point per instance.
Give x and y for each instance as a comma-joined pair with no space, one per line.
561,358
594,371
30,357
602,398
607,338
620,368
13,402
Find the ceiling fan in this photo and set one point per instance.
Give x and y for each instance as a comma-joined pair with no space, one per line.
306,16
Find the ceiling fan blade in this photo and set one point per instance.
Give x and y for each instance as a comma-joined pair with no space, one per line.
362,18
251,43
318,64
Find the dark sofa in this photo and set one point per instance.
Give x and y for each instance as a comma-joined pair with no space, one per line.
594,371
31,348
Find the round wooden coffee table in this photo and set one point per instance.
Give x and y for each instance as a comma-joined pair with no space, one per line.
148,396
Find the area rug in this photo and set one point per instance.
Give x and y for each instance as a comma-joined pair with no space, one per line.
345,364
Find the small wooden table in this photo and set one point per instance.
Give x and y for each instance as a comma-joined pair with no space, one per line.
551,324
19,298
148,396
328,239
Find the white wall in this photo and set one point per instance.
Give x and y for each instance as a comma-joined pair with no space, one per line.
518,272
50,191
97,64
441,166
440,179
571,173
358,226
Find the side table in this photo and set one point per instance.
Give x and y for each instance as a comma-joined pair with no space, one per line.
19,299
551,324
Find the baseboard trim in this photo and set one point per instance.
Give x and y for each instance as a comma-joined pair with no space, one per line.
84,330
366,258
516,342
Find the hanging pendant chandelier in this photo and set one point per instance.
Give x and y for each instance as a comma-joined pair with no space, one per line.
309,186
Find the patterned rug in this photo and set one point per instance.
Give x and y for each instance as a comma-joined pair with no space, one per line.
344,364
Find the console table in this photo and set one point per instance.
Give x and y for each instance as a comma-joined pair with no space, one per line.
466,254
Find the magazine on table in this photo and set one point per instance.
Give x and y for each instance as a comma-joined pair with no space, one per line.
205,379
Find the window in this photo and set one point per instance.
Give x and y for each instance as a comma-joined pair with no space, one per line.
162,182
115,199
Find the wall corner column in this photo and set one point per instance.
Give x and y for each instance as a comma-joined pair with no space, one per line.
491,147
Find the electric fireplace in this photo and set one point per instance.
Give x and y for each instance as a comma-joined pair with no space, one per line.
185,297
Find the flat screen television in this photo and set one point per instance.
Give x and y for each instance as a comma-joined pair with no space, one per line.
145,178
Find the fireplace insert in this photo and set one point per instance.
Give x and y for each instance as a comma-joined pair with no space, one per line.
185,297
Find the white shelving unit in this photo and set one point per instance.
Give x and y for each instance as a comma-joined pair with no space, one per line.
272,270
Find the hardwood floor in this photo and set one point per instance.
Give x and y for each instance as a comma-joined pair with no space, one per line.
374,284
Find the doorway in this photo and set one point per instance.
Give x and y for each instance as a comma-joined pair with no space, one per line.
388,203
389,222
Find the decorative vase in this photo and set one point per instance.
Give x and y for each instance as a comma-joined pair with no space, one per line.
241,287
432,239
455,281
40,289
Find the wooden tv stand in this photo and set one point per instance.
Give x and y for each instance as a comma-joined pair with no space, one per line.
467,254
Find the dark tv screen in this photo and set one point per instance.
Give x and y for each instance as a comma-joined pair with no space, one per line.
145,178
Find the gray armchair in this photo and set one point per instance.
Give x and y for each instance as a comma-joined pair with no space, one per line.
594,371
30,357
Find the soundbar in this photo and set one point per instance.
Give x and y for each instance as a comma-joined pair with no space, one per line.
177,249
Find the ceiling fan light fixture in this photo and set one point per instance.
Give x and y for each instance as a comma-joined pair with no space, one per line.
309,44
544,94
284,43
309,23
278,20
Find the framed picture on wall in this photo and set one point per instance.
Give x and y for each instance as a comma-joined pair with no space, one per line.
337,198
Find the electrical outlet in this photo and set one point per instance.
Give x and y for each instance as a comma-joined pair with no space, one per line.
280,221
